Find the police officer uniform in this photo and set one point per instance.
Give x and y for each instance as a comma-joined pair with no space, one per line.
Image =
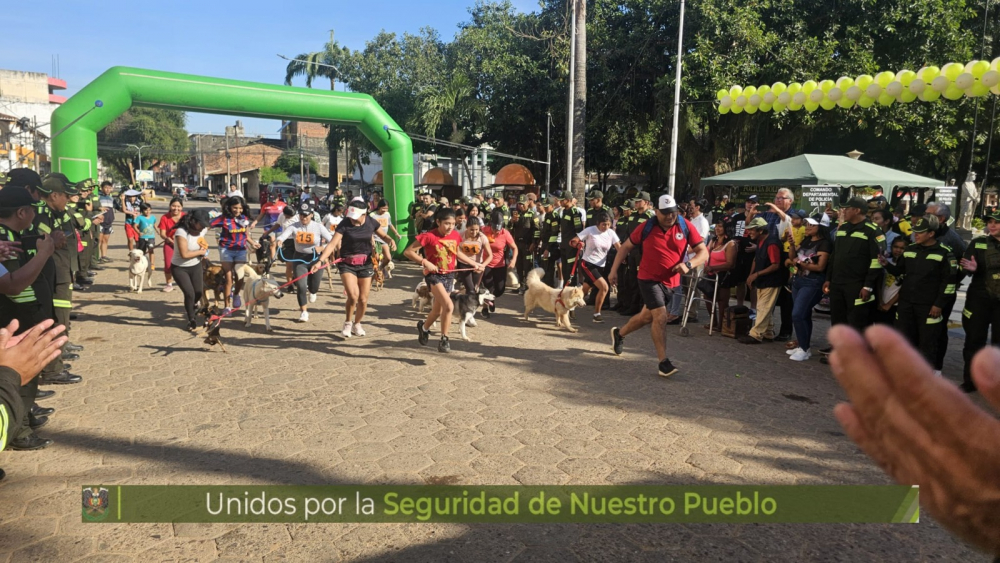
629,298
550,239
854,265
928,280
982,300
593,210
527,234
81,215
570,224
49,220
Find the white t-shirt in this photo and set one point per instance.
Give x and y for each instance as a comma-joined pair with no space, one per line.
597,244
701,225
307,237
385,221
193,243
331,221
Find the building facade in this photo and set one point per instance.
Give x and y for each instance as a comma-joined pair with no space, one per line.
27,100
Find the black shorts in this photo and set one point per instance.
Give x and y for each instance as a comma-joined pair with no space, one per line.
447,280
145,245
107,229
655,294
361,272
595,272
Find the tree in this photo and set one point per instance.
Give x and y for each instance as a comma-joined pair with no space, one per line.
161,129
290,163
447,105
269,175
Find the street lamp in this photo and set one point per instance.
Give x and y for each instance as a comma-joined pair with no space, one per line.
139,150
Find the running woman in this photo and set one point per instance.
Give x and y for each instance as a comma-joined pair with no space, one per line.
271,213
166,228
189,249
441,248
307,236
353,239
596,241
233,244
495,276
476,246
384,219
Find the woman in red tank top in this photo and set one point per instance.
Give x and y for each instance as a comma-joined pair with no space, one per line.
721,259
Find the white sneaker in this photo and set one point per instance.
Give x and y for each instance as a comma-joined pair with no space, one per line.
312,297
358,331
801,355
304,317
793,351
347,329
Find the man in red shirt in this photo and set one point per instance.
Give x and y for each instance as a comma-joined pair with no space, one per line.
664,244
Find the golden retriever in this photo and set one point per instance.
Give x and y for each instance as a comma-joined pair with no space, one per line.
557,301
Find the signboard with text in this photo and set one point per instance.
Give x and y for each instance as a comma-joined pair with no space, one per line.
816,197
947,195
144,176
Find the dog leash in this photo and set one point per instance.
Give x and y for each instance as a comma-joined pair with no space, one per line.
218,318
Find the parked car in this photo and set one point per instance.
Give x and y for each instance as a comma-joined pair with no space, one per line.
201,193
284,191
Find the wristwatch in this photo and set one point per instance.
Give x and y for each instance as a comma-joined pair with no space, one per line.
688,264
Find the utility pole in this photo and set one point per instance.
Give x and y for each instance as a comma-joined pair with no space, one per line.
572,98
677,106
302,167
548,153
580,104
239,176
228,170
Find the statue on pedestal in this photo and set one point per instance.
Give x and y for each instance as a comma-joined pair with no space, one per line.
970,200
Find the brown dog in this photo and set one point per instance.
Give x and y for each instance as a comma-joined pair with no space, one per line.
213,278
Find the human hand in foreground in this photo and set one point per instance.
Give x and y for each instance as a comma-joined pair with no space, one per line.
31,351
922,430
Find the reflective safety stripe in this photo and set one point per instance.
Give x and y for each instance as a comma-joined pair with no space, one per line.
863,301
860,235
967,313
4,424
83,242
909,255
950,289
935,257
42,227
981,246
62,304
875,264
933,321
841,233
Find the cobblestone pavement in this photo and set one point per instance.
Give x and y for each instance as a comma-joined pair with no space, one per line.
523,404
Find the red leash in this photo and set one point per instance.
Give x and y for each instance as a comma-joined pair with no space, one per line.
218,318
575,262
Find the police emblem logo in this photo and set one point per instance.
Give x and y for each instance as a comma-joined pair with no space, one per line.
679,236
95,503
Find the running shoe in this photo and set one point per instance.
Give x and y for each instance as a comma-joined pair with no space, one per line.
227,311
304,317
357,330
598,318
444,346
347,329
168,288
237,302
422,335
793,351
800,355
312,297
666,368
617,341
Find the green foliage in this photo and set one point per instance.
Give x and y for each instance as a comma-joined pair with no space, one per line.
289,163
162,129
978,223
268,175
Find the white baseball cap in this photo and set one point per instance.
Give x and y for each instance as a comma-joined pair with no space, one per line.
666,203
811,221
355,210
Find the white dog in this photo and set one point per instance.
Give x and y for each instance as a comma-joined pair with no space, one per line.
422,297
138,270
257,292
557,301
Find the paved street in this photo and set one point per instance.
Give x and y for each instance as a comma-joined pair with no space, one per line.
523,404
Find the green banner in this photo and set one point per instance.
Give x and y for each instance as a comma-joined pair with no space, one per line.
501,504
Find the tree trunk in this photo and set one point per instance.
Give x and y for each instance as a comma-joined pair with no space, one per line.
580,102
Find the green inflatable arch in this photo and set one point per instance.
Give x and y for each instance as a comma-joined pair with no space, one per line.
74,150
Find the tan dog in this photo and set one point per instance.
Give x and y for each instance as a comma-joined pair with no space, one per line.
557,301
214,279
421,297
257,292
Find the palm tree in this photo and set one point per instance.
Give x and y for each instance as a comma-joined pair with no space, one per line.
450,104
321,64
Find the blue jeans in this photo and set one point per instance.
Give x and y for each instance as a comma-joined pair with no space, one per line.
807,291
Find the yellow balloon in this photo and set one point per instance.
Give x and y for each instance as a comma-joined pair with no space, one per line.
794,88
952,70
866,102
749,91
750,109
845,83
723,110
906,77
929,95
811,106
929,73
885,99
907,96
763,89
794,106
721,94
735,92
778,88
864,81
845,103
737,110
778,106
765,107
884,78
809,86
978,90
826,85
953,92
828,104
979,68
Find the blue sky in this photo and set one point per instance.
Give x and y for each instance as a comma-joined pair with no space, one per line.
225,39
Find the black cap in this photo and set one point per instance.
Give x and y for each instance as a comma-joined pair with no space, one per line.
306,207
58,183
858,203
15,197
752,198
201,216
641,196
921,225
24,177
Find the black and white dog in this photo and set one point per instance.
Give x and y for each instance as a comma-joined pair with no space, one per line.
466,306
